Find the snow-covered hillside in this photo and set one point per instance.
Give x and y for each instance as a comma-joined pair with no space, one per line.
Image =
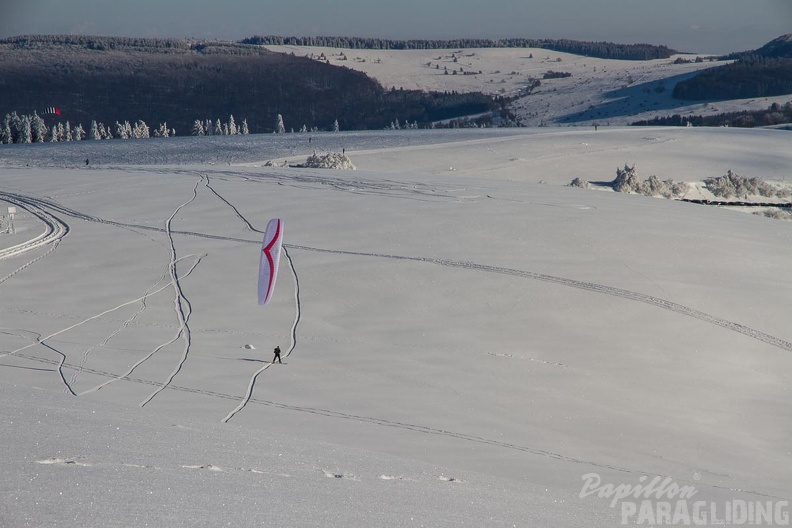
602,91
465,337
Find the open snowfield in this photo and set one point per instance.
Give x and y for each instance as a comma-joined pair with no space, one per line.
465,337
602,91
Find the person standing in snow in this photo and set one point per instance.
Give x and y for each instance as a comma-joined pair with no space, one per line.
277,355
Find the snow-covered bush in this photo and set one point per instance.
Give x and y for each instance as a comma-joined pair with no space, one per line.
776,214
627,180
734,185
578,182
331,160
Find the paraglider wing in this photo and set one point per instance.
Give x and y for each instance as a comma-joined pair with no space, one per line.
270,256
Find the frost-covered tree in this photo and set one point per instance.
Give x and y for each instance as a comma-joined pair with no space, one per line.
162,131
94,131
140,130
336,128
104,132
304,129
123,130
25,131
198,128
54,134
61,132
38,129
232,128
244,130
5,131
79,132
67,132
279,127
218,128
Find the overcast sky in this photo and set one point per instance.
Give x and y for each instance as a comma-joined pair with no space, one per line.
703,26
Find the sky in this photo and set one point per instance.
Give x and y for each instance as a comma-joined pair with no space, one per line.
701,26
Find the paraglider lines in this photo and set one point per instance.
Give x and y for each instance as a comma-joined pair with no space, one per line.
249,391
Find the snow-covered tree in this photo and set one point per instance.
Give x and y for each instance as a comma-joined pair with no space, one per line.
218,128
67,132
94,131
304,129
279,127
121,130
54,134
208,127
244,129
38,129
335,126
78,132
61,132
5,131
140,130
25,132
104,132
162,131
198,128
232,128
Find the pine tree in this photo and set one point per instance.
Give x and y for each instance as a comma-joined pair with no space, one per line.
208,127
279,127
141,130
335,126
54,133
25,132
232,128
121,132
245,130
304,129
5,131
38,129
94,133
218,128
162,131
61,132
67,132
78,133
198,129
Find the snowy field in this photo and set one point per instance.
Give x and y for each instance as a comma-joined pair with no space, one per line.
602,91
465,337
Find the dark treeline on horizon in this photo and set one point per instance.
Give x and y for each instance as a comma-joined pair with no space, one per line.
602,50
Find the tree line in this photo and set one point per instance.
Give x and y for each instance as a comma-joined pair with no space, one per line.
750,76
775,114
32,128
602,50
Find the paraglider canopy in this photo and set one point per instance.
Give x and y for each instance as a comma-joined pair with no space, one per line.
268,262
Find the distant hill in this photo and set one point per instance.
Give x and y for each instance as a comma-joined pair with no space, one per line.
111,79
602,50
780,48
765,72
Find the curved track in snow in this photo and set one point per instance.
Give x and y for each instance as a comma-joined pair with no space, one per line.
54,231
563,281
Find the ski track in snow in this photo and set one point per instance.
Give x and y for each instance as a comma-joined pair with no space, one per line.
158,348
55,230
293,334
588,286
180,300
120,329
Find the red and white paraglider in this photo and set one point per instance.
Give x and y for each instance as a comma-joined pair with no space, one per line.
270,257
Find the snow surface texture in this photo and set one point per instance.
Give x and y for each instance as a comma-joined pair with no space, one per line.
464,342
